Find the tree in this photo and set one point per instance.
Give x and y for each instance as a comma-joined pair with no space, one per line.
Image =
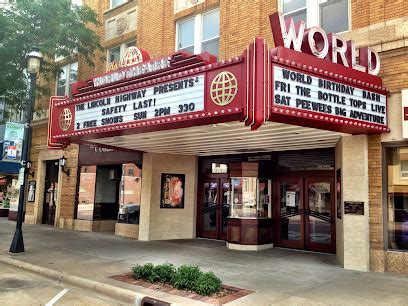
56,27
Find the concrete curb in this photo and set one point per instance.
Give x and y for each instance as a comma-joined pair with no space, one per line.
125,295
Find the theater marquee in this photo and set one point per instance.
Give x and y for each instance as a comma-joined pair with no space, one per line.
151,102
310,79
317,95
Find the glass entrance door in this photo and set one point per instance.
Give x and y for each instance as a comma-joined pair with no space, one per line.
305,214
291,213
215,208
320,215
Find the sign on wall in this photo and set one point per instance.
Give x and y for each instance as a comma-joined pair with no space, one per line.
13,141
172,190
171,98
306,92
353,207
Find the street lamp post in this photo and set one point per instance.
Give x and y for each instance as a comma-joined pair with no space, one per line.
33,67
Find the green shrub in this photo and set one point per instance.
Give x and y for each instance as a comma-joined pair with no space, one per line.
208,284
143,272
164,272
186,277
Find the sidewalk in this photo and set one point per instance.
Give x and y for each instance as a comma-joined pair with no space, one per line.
279,276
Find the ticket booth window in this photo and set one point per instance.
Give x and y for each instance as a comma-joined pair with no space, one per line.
250,198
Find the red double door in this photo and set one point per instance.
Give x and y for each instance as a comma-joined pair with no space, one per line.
305,212
213,208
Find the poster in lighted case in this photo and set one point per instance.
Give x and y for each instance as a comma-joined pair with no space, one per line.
172,190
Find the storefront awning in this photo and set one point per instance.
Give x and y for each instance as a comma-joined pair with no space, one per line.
9,167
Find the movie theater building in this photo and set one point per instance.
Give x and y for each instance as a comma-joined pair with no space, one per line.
295,140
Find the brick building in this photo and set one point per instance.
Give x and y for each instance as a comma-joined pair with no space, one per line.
304,164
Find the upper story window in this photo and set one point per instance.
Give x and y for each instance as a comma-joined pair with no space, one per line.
115,3
114,54
200,33
331,15
68,75
295,9
404,168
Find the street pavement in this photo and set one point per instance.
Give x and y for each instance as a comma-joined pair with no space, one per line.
279,276
19,287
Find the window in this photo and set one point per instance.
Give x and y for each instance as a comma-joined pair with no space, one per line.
200,33
334,15
131,172
105,190
116,52
250,197
331,15
86,193
67,76
115,3
211,32
295,9
397,197
404,168
186,35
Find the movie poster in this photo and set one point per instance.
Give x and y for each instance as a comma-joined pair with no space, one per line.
172,190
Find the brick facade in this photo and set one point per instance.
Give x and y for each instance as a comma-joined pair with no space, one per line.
381,24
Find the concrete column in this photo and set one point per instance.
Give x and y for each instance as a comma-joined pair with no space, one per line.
167,223
352,231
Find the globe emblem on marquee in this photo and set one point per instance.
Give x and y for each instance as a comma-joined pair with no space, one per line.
65,119
223,88
131,56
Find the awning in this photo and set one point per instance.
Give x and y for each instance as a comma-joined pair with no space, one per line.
9,167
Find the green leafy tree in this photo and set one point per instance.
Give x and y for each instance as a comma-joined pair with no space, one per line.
56,27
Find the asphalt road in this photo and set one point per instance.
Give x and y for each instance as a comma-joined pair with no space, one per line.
18,287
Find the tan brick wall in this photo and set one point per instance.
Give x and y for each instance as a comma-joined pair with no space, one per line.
84,70
155,27
382,24
368,12
375,192
67,187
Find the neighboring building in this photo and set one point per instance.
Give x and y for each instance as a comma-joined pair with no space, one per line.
290,182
